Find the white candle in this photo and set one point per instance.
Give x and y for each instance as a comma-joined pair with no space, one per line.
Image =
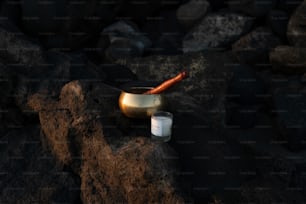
161,125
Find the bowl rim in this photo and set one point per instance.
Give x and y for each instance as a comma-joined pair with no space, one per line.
128,90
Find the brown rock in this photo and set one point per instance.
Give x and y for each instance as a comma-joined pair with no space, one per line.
16,48
132,170
254,47
289,60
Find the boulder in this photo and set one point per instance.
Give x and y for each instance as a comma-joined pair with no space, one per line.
191,12
17,49
290,60
125,41
217,30
254,47
296,32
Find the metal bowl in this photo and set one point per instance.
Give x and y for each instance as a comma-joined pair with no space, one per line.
134,104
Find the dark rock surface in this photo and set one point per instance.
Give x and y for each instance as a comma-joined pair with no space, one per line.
289,105
245,97
296,31
290,60
191,12
31,174
254,47
16,48
126,40
238,131
217,30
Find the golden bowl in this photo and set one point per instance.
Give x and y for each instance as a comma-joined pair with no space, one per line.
134,104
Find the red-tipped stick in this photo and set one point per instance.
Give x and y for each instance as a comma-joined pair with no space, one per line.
168,83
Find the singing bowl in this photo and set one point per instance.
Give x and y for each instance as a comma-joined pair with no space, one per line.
134,104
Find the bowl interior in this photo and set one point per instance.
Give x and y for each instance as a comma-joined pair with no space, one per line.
137,90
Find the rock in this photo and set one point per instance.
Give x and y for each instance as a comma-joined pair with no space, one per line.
191,12
30,173
17,49
241,116
124,48
133,170
198,106
244,97
245,86
290,60
216,30
167,44
278,20
125,40
256,8
295,32
117,75
254,47
276,167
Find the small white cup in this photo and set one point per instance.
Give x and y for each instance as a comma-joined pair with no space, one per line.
161,126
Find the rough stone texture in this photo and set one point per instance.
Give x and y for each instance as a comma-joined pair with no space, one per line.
276,174
255,8
125,41
122,29
133,170
30,174
217,30
17,49
290,60
296,27
254,47
191,12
